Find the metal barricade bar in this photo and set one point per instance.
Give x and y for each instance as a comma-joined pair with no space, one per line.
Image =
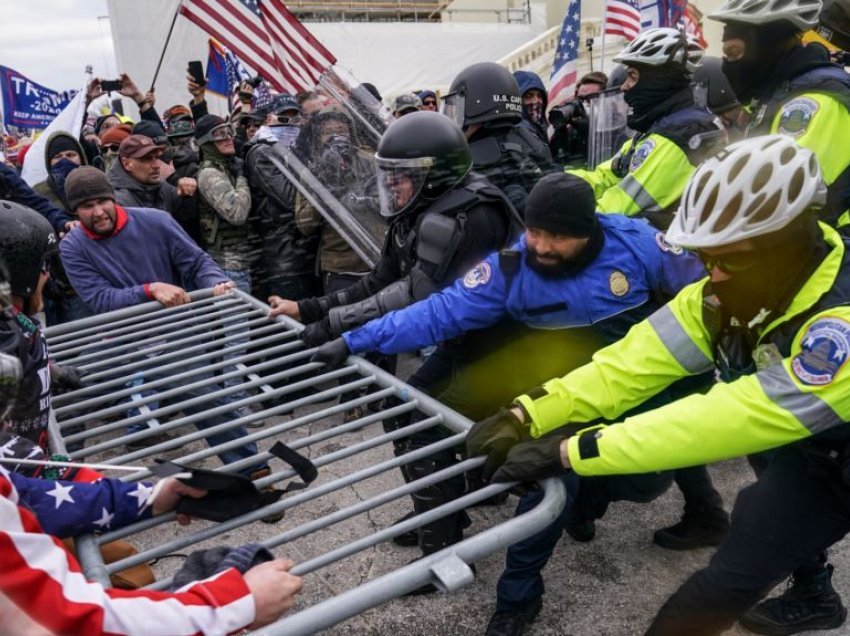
225,354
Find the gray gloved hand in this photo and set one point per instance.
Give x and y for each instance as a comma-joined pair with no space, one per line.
531,461
333,353
66,378
494,437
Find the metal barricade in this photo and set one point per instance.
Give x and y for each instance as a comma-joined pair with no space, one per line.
181,372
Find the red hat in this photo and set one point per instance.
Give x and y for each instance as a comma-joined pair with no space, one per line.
115,135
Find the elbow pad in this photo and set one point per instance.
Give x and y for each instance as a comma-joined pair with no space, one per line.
347,317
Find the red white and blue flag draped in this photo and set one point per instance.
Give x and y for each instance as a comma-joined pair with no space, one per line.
564,74
265,36
622,17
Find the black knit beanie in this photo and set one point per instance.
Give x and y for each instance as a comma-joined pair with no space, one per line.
86,183
562,203
61,143
205,124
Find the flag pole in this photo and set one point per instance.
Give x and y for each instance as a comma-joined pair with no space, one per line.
165,46
602,45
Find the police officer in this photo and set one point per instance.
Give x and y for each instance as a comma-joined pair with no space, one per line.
721,100
575,281
647,176
442,221
484,99
793,89
773,318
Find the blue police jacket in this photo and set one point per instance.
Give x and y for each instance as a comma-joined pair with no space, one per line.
635,273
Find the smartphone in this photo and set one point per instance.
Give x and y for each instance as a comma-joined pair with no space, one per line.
196,70
110,85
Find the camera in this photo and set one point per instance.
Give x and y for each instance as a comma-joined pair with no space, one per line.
565,114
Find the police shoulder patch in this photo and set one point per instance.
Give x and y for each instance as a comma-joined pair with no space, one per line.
824,350
641,154
665,246
477,276
796,115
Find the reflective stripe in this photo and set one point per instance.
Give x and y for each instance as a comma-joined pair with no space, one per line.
815,414
679,343
639,195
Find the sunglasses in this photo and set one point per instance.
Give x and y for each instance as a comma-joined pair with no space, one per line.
111,147
293,120
729,263
429,102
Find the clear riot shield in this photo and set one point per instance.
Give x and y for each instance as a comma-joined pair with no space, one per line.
331,162
607,130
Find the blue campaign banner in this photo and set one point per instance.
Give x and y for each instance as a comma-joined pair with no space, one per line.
27,104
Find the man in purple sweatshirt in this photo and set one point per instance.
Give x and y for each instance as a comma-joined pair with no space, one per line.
120,257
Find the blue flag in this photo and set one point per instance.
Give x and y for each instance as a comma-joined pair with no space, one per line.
27,104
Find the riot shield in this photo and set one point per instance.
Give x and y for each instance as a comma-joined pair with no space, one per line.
607,130
331,163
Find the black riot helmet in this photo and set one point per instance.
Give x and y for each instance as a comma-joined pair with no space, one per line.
712,83
483,93
617,76
834,23
421,156
27,242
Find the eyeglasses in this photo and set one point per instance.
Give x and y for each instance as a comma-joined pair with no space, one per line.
729,263
220,134
111,147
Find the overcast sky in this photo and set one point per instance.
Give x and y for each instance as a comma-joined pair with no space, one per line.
52,41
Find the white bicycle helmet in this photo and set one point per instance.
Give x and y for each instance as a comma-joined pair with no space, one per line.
659,47
749,189
803,14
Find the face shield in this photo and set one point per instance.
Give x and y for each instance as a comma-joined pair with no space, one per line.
400,182
454,107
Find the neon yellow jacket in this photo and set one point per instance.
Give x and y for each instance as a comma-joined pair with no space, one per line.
805,393
658,173
821,123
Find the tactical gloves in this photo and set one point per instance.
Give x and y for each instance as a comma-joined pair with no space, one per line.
534,460
495,437
332,353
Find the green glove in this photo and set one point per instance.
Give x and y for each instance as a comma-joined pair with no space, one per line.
530,461
494,437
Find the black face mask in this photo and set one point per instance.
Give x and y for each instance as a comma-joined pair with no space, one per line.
743,77
647,100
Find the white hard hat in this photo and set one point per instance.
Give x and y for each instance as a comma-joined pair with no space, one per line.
663,46
749,189
803,14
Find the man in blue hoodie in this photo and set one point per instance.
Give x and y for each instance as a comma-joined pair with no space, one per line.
534,103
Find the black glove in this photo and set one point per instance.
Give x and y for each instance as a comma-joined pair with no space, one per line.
66,377
332,353
237,166
531,461
494,437
317,333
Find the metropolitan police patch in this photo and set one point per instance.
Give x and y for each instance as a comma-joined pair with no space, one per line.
477,276
796,115
825,348
641,154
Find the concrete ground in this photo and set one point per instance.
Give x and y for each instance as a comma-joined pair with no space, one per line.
611,586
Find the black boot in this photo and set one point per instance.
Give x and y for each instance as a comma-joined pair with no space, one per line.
513,623
808,603
697,529
579,528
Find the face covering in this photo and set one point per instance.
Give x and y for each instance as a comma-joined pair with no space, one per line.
534,112
60,171
645,98
742,75
109,160
284,134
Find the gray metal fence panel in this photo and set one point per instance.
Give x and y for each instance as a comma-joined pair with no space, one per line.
168,372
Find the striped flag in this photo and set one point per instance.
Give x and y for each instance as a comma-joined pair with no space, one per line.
622,17
267,37
562,82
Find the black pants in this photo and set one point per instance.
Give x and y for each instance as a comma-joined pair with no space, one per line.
796,510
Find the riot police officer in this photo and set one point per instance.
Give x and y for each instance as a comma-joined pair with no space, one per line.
484,99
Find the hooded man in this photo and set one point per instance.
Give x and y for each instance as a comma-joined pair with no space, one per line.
534,103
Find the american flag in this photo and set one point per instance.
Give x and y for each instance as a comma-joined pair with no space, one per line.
622,17
563,79
267,37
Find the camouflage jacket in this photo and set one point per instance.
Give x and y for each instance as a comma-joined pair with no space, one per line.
224,205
